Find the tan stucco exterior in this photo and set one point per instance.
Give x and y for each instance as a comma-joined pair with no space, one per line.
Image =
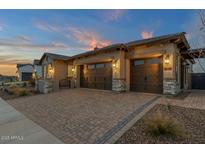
121,71
120,58
59,71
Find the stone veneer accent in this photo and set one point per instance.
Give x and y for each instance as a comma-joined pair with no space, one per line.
118,85
171,87
45,86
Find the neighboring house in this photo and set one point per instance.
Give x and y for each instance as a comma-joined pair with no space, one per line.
25,72
5,78
37,69
153,65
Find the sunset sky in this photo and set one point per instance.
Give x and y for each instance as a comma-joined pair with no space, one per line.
26,34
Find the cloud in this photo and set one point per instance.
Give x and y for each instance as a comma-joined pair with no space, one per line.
7,59
1,26
25,43
22,50
24,39
146,34
114,15
44,26
85,39
89,39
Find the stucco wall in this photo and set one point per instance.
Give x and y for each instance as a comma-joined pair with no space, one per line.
60,72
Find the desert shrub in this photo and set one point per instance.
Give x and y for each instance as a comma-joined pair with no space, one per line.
7,90
169,107
23,93
32,82
163,125
14,89
24,84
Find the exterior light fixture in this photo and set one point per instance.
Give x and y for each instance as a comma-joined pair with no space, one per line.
73,69
51,70
34,75
167,59
114,63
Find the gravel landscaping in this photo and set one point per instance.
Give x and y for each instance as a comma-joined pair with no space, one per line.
192,120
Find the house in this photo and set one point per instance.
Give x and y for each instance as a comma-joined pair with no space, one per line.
154,65
55,68
24,72
5,78
37,69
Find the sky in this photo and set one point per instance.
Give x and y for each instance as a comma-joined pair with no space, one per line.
26,34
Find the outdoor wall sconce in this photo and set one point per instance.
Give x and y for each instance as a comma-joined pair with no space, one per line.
167,59
73,69
51,70
34,75
114,64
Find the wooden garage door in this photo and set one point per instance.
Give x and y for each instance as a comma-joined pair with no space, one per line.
96,76
147,75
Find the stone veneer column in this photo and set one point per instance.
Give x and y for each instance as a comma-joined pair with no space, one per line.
76,77
118,79
171,84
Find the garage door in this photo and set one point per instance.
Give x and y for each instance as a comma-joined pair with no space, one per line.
26,76
96,76
147,75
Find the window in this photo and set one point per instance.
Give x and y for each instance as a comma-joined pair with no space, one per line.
138,62
91,67
154,61
100,65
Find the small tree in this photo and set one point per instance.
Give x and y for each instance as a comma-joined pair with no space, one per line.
195,42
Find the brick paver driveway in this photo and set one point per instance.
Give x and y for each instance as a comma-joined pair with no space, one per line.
80,115
196,99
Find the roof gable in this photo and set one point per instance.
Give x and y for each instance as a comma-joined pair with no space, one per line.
54,57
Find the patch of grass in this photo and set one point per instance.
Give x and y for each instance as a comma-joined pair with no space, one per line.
163,125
